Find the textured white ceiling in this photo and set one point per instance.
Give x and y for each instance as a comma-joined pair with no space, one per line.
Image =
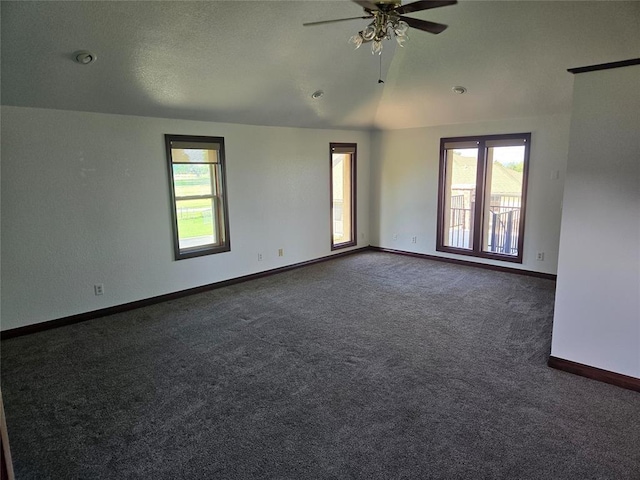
253,62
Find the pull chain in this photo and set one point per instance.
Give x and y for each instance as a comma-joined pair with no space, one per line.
380,77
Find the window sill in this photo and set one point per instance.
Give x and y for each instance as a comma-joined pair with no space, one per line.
338,246
485,255
200,252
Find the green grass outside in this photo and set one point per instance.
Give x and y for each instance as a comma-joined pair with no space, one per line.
187,189
194,227
195,222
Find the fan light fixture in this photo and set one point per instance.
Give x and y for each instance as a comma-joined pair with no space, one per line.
388,20
384,25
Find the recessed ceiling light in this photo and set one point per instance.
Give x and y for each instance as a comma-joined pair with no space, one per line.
317,94
84,58
459,90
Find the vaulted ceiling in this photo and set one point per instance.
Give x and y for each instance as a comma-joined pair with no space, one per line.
253,62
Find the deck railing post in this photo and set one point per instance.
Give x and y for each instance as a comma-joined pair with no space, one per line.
507,237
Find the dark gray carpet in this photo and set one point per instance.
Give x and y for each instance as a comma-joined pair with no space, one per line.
370,366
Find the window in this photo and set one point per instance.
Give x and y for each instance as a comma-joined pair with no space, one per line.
482,192
198,194
343,195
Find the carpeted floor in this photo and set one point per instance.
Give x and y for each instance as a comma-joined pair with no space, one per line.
369,366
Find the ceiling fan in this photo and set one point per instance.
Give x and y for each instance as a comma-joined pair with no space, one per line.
388,18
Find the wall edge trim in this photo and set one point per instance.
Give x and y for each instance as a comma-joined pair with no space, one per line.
595,373
497,268
124,307
605,66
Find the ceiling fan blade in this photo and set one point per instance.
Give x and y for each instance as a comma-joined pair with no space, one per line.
423,5
367,5
424,25
322,22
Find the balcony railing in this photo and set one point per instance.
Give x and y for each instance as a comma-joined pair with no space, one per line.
502,229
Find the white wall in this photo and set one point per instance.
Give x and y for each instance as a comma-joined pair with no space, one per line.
85,200
404,183
597,313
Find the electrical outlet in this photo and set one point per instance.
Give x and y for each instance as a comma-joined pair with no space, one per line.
414,239
540,256
259,257
395,236
362,236
281,252
98,289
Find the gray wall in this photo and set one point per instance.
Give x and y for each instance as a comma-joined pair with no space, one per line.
597,313
404,187
85,200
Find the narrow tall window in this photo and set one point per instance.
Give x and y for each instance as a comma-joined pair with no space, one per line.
482,193
343,195
198,194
